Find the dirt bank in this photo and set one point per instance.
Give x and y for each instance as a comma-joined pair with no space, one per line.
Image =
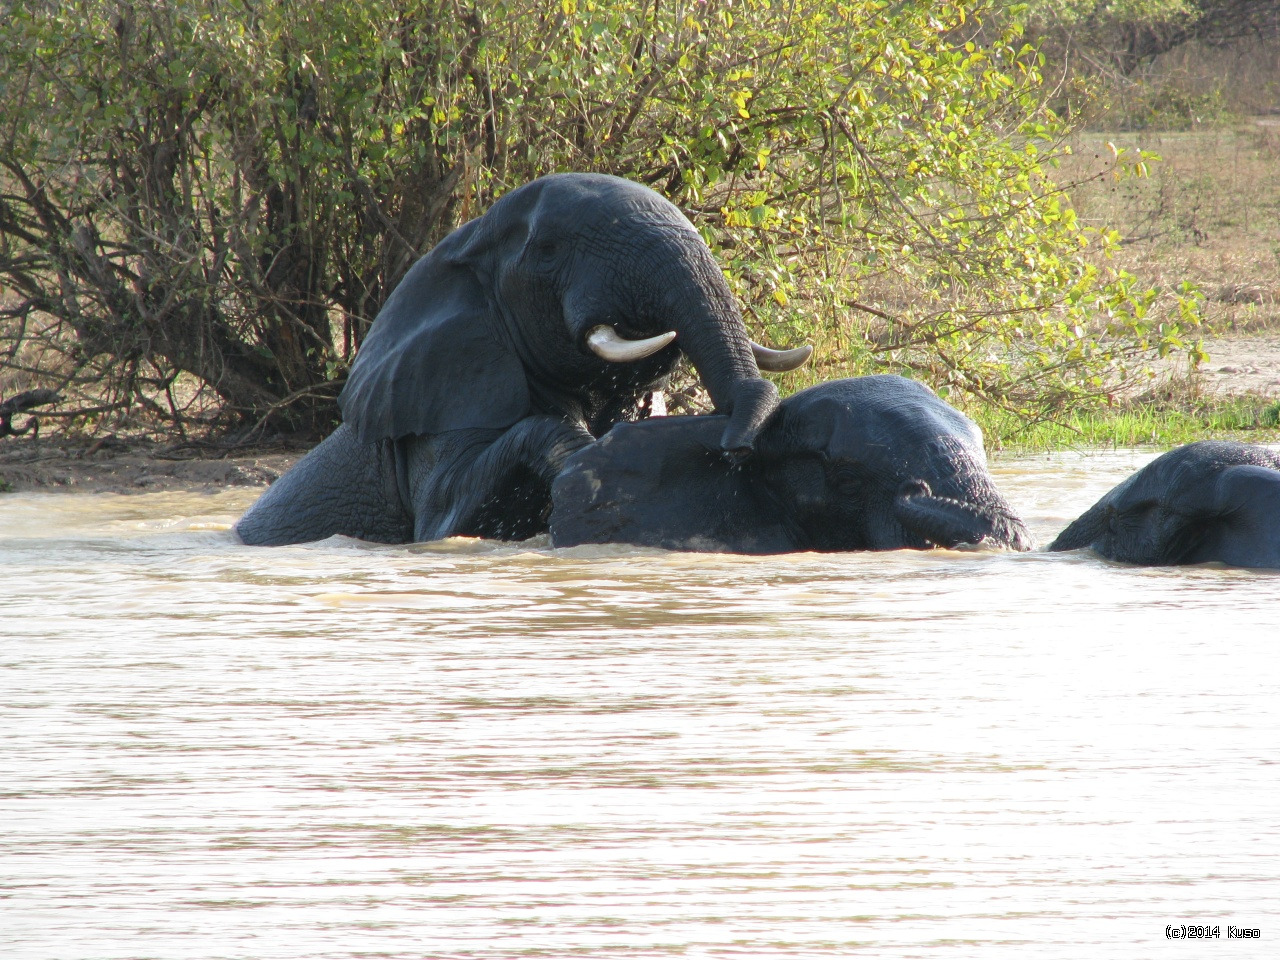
118,466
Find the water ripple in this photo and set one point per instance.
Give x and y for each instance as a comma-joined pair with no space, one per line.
477,750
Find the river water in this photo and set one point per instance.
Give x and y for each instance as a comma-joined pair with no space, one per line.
475,750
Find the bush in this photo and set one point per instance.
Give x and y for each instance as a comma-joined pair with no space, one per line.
202,205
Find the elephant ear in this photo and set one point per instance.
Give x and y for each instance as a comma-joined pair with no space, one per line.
434,359
665,482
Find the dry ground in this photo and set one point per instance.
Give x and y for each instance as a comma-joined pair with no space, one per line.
1208,212
1242,364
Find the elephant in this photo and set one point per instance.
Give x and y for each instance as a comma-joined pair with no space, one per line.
1213,500
522,336
865,463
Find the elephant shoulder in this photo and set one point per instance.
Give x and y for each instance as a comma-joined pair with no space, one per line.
434,360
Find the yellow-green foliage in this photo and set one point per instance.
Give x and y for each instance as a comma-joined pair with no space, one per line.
228,191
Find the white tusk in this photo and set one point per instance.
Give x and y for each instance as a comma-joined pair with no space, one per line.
780,361
607,345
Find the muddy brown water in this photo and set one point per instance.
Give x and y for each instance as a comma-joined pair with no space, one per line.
476,750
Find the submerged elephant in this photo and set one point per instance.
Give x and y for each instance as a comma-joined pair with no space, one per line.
519,338
870,463
1212,500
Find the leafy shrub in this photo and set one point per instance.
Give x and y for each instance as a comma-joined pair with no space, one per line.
203,204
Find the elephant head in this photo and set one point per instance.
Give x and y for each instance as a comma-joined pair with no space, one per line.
870,463
572,296
1212,500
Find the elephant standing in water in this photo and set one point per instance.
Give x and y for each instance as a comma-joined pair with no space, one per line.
521,337
1212,500
870,463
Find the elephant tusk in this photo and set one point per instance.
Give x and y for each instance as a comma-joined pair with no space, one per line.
780,361
607,345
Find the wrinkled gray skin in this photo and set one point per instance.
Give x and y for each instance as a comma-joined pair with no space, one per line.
475,380
1212,500
870,463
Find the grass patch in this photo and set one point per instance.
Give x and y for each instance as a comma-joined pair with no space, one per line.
1168,423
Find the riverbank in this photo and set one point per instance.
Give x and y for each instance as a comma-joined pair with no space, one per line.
1243,366
112,465
1235,394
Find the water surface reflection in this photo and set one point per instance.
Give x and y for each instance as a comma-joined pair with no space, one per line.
481,750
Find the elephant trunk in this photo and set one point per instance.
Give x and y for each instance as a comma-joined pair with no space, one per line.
1084,531
711,333
947,522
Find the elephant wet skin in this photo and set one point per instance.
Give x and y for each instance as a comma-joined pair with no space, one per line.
520,337
869,463
1208,501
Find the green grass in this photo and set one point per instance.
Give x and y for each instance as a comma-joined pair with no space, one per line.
1250,418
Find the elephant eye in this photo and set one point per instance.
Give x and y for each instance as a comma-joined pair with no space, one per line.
544,250
847,476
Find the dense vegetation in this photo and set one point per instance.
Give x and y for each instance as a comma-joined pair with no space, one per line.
202,204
